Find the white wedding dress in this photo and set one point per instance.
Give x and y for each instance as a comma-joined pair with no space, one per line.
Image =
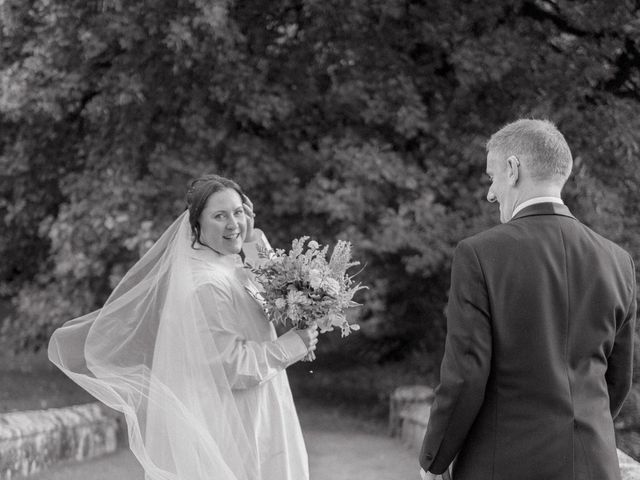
254,360
185,351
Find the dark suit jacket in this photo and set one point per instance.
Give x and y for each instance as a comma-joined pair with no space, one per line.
538,353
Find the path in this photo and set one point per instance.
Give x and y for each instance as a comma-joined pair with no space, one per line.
340,448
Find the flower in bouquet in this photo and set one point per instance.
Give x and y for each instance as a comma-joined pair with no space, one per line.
302,287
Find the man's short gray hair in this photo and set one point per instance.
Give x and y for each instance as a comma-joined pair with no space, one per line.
536,143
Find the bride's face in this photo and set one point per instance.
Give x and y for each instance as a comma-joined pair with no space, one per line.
223,225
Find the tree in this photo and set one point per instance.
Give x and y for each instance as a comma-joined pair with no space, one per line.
363,120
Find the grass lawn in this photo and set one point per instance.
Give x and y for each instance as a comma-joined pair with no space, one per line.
30,382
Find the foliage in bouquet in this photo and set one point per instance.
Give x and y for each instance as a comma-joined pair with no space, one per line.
301,287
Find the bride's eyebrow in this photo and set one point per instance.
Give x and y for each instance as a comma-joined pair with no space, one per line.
222,210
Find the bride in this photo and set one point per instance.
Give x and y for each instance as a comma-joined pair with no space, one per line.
183,349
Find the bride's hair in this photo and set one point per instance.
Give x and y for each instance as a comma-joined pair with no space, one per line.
199,192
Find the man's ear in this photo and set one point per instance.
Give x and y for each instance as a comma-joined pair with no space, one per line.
513,172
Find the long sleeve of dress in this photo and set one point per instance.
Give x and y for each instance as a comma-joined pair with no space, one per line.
246,342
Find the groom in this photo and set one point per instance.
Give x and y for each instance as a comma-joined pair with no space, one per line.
540,323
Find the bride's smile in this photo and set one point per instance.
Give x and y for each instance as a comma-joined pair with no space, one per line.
223,224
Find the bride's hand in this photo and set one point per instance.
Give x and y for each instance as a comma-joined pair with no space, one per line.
309,336
251,216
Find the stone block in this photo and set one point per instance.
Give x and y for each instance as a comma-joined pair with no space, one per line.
402,399
33,440
629,468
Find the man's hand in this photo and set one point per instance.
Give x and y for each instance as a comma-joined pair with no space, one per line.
427,475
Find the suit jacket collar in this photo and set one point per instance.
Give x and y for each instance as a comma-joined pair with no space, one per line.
548,208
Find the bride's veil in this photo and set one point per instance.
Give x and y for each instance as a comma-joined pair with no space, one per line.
148,354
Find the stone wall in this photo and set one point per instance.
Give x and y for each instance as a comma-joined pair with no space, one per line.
628,422
33,440
409,414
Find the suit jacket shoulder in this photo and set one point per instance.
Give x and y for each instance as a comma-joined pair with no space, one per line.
526,226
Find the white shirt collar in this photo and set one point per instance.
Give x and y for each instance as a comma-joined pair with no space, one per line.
535,200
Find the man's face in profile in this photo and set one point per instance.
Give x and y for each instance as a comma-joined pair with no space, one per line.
499,188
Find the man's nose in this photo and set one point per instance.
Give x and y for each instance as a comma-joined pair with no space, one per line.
491,197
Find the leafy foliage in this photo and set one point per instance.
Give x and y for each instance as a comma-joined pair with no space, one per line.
359,120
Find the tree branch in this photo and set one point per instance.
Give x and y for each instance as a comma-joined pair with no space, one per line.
548,10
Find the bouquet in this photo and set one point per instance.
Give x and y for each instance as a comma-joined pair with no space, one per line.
300,288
